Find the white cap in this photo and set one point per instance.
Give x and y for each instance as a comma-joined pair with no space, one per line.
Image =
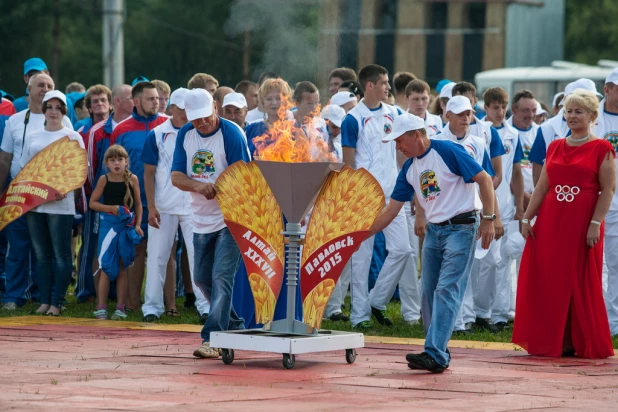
55,94
333,113
402,124
539,109
235,99
447,90
458,104
556,97
341,98
582,83
198,104
612,77
178,97
514,245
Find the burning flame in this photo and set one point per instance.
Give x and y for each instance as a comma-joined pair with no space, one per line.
284,141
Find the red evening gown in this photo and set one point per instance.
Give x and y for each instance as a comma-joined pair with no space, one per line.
559,272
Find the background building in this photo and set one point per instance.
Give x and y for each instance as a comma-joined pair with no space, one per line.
438,39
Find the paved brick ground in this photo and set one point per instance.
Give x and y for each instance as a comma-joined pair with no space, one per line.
73,365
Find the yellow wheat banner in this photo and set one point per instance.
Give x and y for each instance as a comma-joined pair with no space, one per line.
344,210
58,169
254,218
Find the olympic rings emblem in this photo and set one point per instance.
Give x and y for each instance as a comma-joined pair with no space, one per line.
566,193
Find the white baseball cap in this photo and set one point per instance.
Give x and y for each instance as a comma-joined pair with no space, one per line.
198,104
341,98
458,104
55,94
235,99
556,97
582,83
402,124
178,97
612,77
447,90
539,109
333,113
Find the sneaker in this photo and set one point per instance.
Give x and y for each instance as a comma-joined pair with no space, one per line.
119,315
339,317
100,314
150,318
502,326
413,322
206,352
381,317
486,324
424,361
364,325
10,306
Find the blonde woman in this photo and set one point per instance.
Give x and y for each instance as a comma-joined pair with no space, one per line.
560,308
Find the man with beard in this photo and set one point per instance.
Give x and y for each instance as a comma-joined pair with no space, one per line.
131,134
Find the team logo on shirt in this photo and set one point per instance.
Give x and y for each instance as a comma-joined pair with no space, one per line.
202,164
507,148
471,150
429,185
612,137
387,128
526,149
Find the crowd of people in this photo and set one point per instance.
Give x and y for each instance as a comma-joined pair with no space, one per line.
520,199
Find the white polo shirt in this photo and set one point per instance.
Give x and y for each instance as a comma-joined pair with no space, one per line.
513,155
526,138
363,129
607,128
13,138
159,151
203,158
442,180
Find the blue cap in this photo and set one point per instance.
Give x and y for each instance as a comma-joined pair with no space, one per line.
74,97
441,84
139,79
34,63
6,95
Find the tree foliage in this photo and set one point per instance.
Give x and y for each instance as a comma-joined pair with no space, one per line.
591,30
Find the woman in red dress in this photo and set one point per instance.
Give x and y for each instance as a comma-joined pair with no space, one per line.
560,308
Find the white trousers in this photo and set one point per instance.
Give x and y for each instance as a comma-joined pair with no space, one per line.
611,262
409,293
399,251
341,290
160,242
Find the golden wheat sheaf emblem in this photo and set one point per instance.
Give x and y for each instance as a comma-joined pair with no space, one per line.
61,166
348,204
256,222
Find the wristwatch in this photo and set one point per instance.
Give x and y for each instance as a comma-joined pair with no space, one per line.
489,217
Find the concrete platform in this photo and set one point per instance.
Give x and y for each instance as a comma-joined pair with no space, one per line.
79,364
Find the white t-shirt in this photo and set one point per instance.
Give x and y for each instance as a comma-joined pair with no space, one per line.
204,158
159,151
512,147
441,178
363,129
476,147
36,142
12,140
526,139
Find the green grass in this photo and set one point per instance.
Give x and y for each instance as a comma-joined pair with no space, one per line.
400,328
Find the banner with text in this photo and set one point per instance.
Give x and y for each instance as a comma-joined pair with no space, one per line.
255,221
56,170
345,209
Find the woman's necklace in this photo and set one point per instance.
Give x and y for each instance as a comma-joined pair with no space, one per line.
581,140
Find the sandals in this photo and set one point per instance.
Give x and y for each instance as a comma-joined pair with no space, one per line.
51,312
172,313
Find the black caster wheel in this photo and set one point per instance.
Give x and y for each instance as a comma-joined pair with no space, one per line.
288,361
227,355
350,355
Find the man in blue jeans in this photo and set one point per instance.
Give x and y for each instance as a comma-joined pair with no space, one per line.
442,174
205,147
